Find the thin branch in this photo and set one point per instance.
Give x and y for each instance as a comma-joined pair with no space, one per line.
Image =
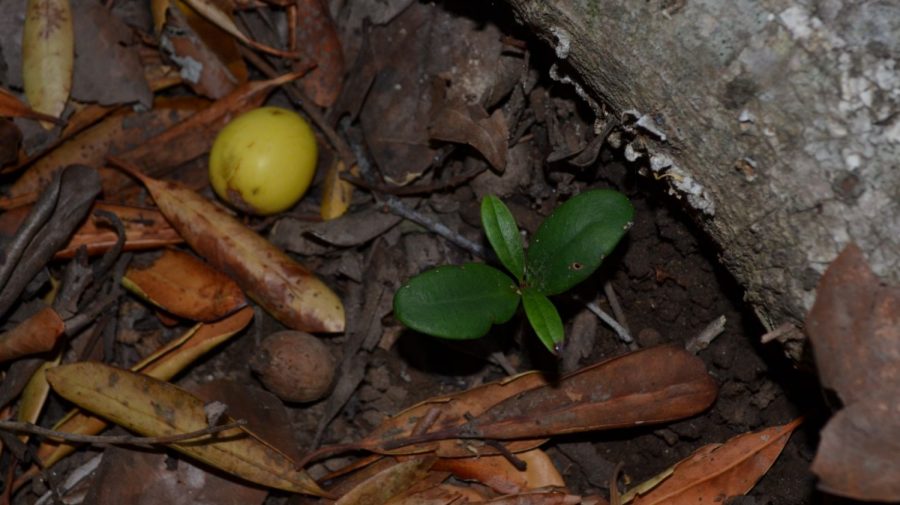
623,334
34,429
615,305
706,336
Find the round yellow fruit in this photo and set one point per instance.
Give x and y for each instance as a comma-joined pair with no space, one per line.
263,161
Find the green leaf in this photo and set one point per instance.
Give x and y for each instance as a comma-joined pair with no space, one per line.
570,245
544,318
457,302
503,234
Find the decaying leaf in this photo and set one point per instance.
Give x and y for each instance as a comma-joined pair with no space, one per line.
717,472
185,286
317,37
35,394
445,412
117,132
471,124
36,334
649,386
384,485
48,55
216,15
498,473
163,365
286,289
155,408
854,327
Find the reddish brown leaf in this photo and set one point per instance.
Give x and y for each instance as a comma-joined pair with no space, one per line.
317,37
716,472
498,473
185,286
144,229
38,333
194,136
854,327
542,497
286,289
644,387
470,124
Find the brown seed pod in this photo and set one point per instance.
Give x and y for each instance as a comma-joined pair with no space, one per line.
294,365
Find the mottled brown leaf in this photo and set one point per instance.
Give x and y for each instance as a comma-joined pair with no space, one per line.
471,124
644,387
854,327
317,38
716,472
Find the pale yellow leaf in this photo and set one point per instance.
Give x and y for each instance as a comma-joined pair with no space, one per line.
336,193
48,55
155,408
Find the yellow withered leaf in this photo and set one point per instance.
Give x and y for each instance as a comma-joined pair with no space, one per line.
48,55
152,407
336,192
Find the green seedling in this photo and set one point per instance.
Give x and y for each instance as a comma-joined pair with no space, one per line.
462,302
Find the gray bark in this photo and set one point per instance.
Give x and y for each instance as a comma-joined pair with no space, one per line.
776,121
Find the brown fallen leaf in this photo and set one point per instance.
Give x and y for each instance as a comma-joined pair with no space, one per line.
471,124
317,37
716,472
10,106
144,229
539,497
384,485
283,287
442,494
39,333
445,412
498,473
48,56
162,364
155,408
115,133
185,286
854,328
649,386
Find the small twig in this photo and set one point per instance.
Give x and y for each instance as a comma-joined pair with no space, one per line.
706,336
115,439
507,454
503,362
400,209
615,305
624,335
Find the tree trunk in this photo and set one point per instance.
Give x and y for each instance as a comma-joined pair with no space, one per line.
776,121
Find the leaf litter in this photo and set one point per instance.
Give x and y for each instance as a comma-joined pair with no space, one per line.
451,105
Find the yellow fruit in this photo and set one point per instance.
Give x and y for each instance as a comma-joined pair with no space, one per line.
263,161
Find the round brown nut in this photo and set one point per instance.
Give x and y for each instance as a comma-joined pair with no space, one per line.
294,365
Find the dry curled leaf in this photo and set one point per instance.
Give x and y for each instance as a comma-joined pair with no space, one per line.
854,327
185,286
498,473
155,408
471,124
716,472
283,287
36,334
